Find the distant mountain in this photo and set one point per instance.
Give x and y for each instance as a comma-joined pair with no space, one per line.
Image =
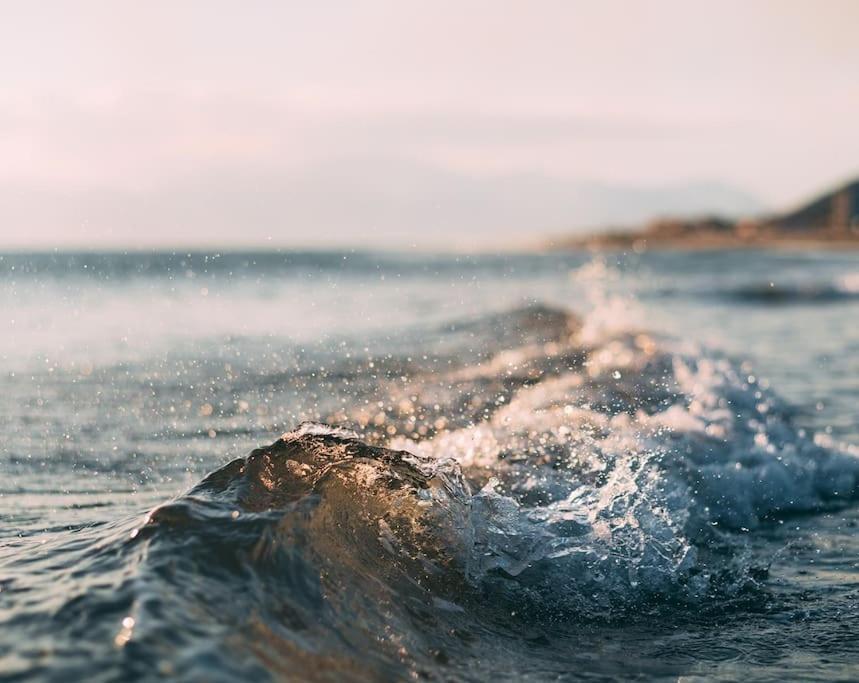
361,202
830,218
835,213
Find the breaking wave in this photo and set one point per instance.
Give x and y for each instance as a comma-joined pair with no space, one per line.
539,473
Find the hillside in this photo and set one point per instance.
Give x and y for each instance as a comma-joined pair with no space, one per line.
832,218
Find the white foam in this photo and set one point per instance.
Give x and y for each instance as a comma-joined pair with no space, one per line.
615,475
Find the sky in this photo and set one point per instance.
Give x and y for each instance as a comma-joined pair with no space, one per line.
437,124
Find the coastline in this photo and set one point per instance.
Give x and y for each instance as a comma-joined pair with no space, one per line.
827,222
641,244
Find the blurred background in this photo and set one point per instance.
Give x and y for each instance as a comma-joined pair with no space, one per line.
441,125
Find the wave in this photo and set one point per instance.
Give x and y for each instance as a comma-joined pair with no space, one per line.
561,478
768,293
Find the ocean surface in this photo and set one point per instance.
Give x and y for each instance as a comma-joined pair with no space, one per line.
346,466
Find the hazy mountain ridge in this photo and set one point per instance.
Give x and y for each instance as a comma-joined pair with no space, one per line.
361,202
832,217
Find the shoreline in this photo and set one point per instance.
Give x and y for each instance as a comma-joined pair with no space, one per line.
643,244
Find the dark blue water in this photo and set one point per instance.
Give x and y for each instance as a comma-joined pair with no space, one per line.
545,467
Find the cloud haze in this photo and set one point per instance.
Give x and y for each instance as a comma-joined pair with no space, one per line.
397,123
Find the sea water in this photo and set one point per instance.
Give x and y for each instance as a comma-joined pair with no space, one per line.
380,466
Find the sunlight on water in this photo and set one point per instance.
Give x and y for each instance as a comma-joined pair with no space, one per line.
524,464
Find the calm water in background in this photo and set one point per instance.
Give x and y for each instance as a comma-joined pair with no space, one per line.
127,378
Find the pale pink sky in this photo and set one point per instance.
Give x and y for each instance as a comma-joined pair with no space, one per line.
397,123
